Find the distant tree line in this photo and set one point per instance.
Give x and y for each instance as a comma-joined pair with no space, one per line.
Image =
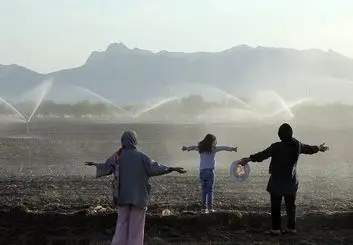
188,107
49,108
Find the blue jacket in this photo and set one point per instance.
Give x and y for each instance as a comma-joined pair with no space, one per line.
132,173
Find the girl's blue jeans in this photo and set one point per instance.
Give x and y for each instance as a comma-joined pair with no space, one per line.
207,185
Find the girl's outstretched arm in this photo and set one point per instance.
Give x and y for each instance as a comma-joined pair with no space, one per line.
190,148
225,148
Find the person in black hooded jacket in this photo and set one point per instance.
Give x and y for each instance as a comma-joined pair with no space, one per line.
283,181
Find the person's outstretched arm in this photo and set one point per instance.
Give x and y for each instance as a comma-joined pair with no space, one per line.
258,157
153,168
190,148
225,148
261,156
104,169
312,149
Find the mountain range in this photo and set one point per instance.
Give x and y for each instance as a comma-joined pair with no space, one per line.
125,75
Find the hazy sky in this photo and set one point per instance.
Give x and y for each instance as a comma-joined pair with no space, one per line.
48,35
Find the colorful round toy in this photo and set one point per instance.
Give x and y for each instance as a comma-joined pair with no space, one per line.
239,172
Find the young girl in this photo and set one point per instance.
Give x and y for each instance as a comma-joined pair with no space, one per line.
207,149
132,169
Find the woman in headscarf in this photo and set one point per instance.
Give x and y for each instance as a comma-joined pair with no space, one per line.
132,169
283,181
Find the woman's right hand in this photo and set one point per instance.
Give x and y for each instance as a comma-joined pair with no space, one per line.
244,161
90,164
184,148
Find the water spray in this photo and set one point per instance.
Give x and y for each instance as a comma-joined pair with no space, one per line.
45,88
204,88
13,108
155,106
27,127
102,98
47,85
289,106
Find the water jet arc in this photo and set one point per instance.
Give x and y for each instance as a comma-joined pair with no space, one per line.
289,107
13,108
211,88
46,86
101,98
155,106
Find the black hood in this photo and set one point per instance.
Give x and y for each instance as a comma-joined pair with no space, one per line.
285,132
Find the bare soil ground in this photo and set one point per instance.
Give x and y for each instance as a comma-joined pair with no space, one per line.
56,210
47,195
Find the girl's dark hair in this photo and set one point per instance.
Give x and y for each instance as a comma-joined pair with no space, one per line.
206,144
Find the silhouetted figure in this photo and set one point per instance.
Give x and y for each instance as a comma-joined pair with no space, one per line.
283,181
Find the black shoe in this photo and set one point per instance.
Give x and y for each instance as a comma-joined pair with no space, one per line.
290,231
273,232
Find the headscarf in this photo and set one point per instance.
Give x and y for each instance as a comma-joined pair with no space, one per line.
129,140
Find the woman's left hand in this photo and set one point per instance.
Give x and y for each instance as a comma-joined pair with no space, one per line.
323,147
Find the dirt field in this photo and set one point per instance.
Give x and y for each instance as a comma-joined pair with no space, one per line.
47,195
60,210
